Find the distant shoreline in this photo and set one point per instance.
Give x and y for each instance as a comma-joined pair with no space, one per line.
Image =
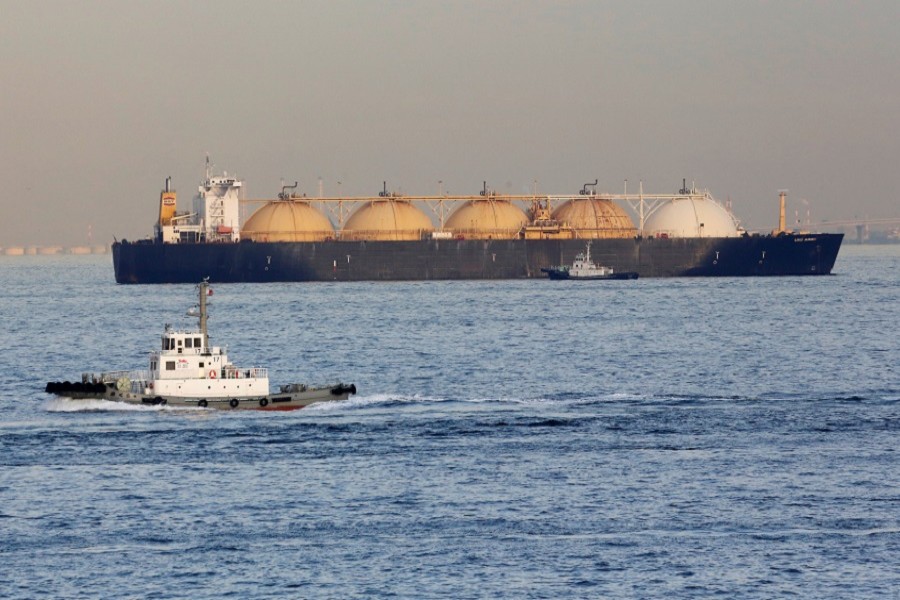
53,250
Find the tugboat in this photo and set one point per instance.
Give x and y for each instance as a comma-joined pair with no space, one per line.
584,268
187,372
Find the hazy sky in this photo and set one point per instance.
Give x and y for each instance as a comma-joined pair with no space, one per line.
100,101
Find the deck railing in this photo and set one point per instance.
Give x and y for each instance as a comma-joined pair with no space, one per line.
114,376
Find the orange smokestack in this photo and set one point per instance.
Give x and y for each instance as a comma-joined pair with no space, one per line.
167,203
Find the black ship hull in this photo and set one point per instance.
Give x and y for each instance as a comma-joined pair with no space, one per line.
154,262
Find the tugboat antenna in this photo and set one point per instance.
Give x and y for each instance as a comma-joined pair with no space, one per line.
204,290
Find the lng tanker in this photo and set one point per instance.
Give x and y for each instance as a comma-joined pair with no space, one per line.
484,236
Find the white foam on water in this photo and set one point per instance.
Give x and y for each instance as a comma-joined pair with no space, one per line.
371,400
587,399
63,405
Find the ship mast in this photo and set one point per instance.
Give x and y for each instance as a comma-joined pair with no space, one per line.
782,225
204,290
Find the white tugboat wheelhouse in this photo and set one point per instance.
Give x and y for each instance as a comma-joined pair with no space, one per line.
187,366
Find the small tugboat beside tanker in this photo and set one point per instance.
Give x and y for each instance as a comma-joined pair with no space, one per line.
584,269
187,372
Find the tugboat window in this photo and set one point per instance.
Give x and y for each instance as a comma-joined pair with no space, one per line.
170,365
189,343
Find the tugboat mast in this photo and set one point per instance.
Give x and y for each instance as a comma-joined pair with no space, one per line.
204,290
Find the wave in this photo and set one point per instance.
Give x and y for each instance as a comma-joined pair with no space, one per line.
563,399
69,405
356,402
388,399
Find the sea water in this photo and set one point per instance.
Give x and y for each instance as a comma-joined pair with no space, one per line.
686,438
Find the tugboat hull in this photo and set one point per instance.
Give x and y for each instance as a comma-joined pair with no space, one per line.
294,397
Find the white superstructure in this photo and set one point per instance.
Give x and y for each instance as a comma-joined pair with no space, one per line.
186,366
215,216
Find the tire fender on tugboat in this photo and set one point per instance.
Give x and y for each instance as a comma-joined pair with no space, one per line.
233,403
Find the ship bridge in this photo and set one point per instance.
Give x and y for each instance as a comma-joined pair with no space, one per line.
184,354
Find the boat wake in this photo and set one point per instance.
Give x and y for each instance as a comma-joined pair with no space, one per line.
69,405
394,400
374,400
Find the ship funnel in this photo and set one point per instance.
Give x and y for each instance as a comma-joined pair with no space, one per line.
167,204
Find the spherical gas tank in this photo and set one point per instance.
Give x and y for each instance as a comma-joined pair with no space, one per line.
690,218
287,221
487,218
595,218
388,219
